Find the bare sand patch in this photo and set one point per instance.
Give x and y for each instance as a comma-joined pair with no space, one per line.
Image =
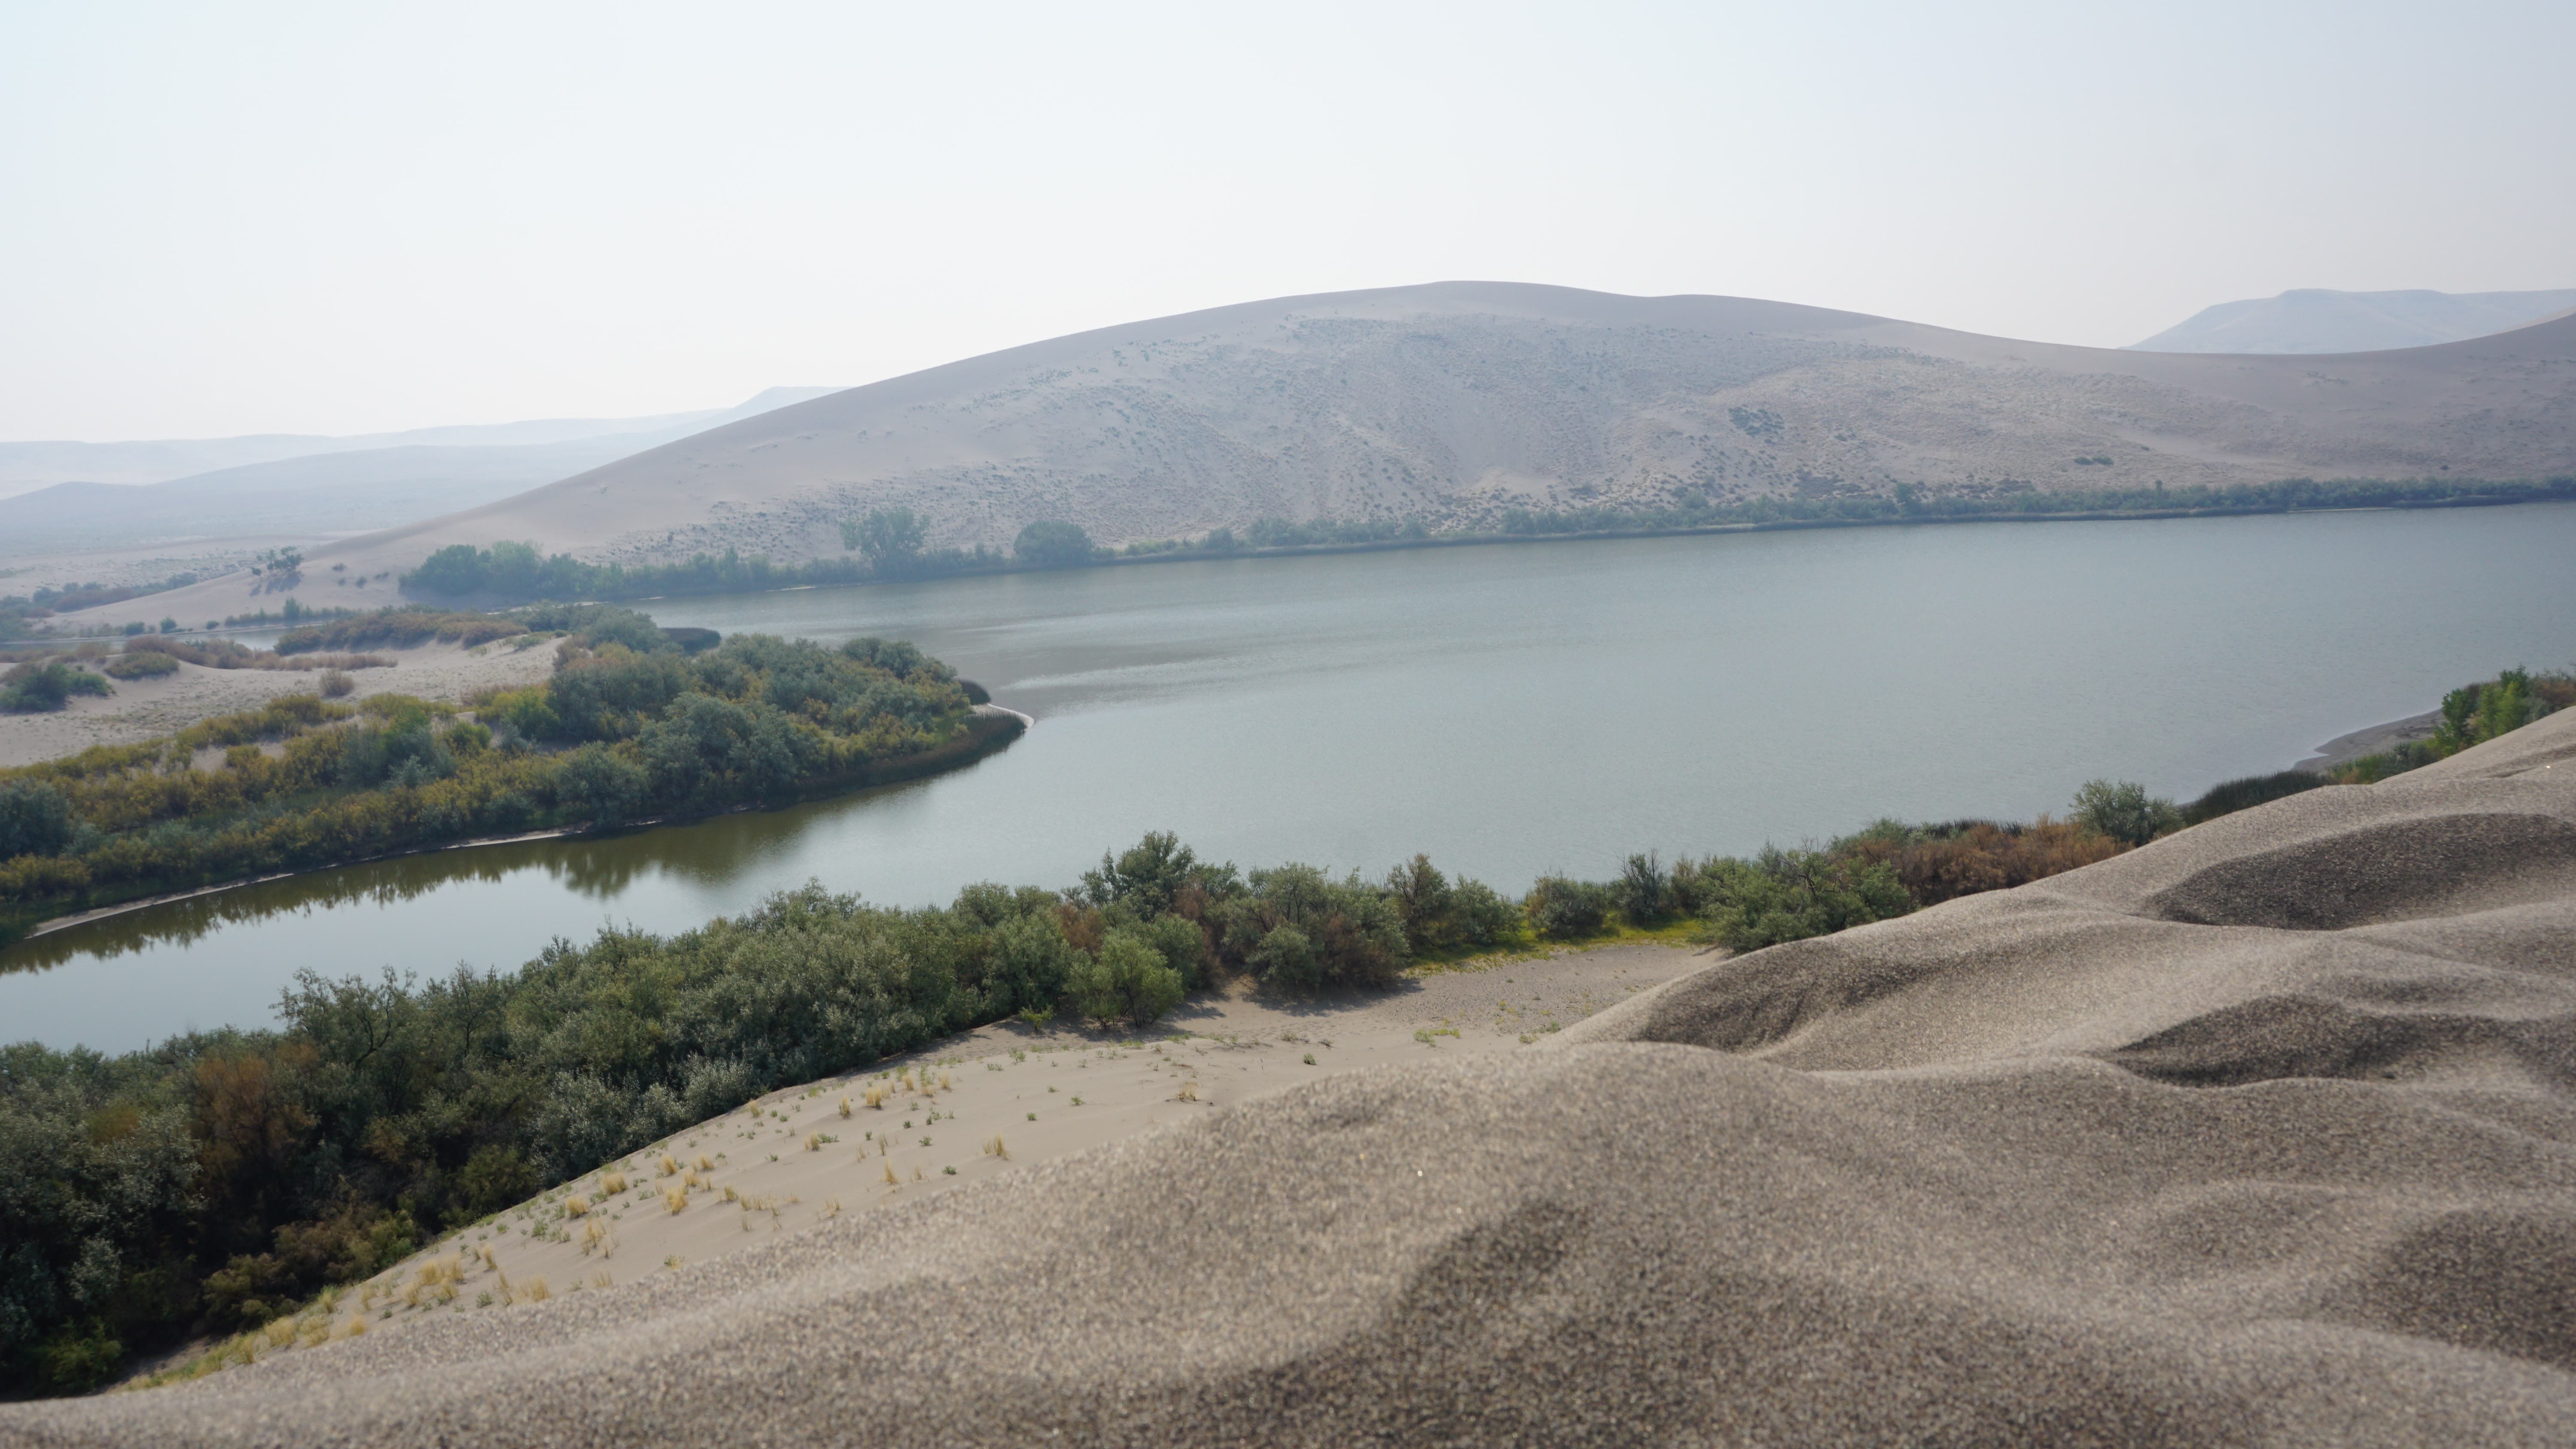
143,709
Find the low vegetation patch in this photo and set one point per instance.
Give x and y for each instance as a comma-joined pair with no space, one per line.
629,726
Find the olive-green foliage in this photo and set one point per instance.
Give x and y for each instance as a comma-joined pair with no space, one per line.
1788,895
96,1174
1565,909
149,664
1341,933
2124,811
1145,878
1053,543
1125,980
37,688
652,730
2228,797
35,818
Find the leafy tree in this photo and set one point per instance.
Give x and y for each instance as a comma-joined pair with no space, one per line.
2124,811
1145,877
890,537
1051,543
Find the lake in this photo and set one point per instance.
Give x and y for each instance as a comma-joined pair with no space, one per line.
1511,710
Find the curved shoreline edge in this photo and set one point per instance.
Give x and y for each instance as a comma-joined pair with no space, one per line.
1001,727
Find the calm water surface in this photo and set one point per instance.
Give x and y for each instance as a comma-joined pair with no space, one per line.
1510,710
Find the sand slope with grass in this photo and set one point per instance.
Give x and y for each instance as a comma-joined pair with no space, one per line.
2262,1134
143,709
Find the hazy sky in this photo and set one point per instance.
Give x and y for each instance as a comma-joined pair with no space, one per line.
340,218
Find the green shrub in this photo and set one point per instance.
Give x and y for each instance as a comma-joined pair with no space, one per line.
1564,909
1125,980
1644,889
35,818
1789,895
2124,811
151,664
1052,543
39,688
2231,796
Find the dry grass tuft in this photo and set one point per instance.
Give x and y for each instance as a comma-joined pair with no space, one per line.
592,1235
576,1206
357,1329
831,1207
813,1141
489,1262
706,1163
994,1148
1189,1091
669,1164
600,1279
845,1106
891,1179
537,1291
874,1096
916,1172
611,1183
691,1180
411,1295
944,1084
317,1332
676,1199
281,1332
730,1194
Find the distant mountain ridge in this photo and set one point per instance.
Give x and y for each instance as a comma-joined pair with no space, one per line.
2315,320
332,489
31,465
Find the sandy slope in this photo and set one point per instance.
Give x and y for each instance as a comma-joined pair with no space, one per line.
2263,1134
1455,401
143,708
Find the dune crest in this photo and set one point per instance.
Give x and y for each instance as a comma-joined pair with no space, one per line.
2065,1164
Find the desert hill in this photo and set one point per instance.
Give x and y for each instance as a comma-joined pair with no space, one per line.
2263,1134
1457,401
2313,319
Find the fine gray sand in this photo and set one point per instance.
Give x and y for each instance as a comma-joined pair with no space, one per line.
2262,1134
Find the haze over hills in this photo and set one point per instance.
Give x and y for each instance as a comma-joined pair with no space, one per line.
1453,402
2313,319
25,467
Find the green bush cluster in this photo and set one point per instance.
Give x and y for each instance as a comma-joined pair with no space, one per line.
628,726
36,688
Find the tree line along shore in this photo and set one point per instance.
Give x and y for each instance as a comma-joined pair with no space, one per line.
890,544
213,1182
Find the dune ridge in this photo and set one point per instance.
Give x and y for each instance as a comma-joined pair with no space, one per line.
2262,1134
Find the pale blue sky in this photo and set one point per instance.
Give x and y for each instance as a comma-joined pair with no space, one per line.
335,218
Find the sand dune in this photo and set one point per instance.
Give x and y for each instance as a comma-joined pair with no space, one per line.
1457,401
2260,1135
